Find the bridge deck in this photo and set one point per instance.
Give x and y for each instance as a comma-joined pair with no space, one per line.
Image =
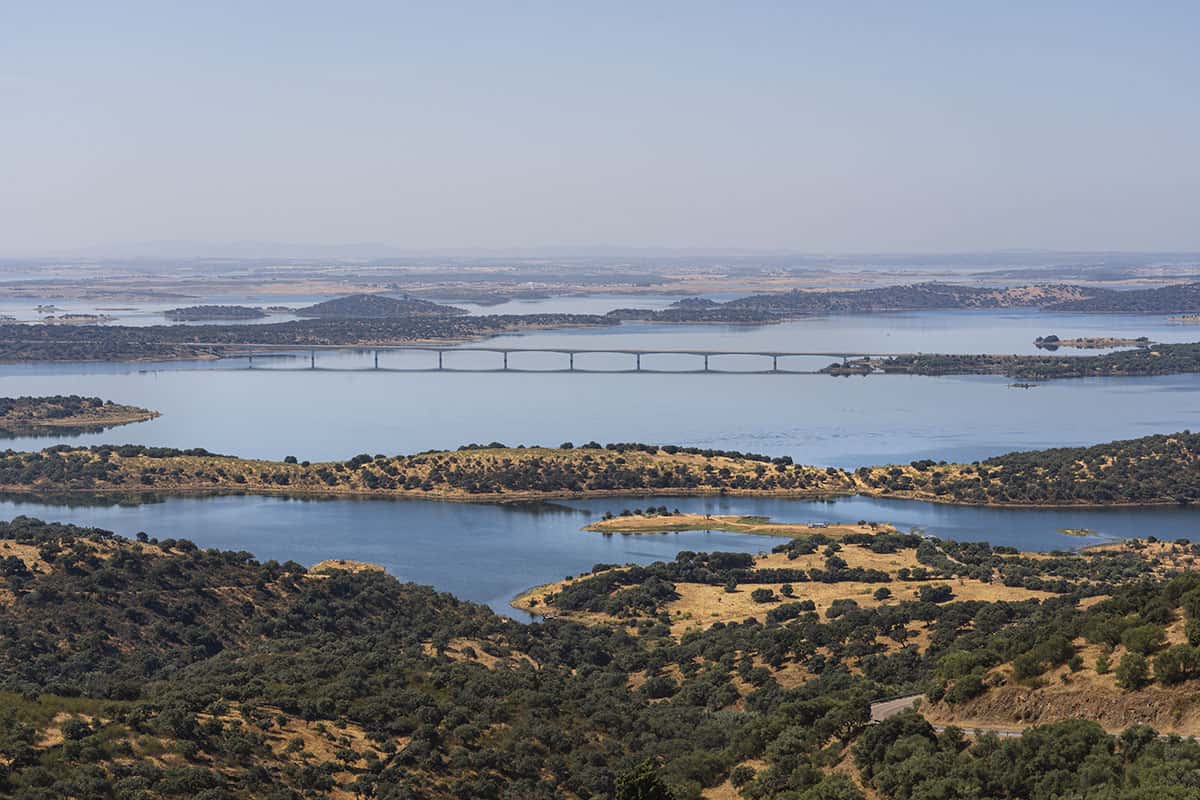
255,349
277,351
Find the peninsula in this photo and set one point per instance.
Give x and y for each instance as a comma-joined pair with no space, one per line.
1153,470
25,416
1158,359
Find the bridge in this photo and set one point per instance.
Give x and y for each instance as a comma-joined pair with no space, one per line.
705,361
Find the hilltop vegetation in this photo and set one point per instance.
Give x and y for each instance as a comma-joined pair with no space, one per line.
469,473
1152,470
925,297
372,306
1133,657
1178,299
909,297
152,668
1155,469
23,416
126,343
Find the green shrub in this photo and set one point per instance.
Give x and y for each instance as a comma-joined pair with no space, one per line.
1133,672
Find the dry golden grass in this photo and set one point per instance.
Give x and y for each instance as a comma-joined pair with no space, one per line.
26,552
725,790
726,522
699,605
458,649
344,565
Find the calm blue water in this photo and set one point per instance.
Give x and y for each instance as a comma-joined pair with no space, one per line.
486,553
490,553
815,419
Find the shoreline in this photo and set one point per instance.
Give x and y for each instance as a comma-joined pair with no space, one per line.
637,525
40,494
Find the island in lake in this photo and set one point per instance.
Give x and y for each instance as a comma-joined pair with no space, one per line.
24,416
201,313
1053,342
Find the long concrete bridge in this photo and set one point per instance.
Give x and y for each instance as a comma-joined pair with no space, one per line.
706,361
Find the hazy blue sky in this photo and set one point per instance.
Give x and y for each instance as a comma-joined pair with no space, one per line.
848,126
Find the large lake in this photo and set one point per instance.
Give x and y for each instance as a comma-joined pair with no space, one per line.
489,553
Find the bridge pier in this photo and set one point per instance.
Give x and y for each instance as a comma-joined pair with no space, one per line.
439,359
250,361
706,362
571,361
638,365
312,359
376,359
506,359
774,363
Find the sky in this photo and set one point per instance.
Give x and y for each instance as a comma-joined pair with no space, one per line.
813,127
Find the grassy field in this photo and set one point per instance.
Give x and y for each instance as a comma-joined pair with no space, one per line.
700,605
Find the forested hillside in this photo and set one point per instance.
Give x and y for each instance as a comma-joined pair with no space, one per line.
1159,469
151,668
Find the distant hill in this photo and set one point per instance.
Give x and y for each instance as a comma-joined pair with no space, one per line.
910,297
774,306
1182,298
377,306
695,303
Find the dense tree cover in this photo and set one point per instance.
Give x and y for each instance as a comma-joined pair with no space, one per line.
193,657
1161,359
120,342
904,758
1130,627
377,305
172,671
1178,299
63,413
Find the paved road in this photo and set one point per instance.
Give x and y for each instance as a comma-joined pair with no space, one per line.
890,708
